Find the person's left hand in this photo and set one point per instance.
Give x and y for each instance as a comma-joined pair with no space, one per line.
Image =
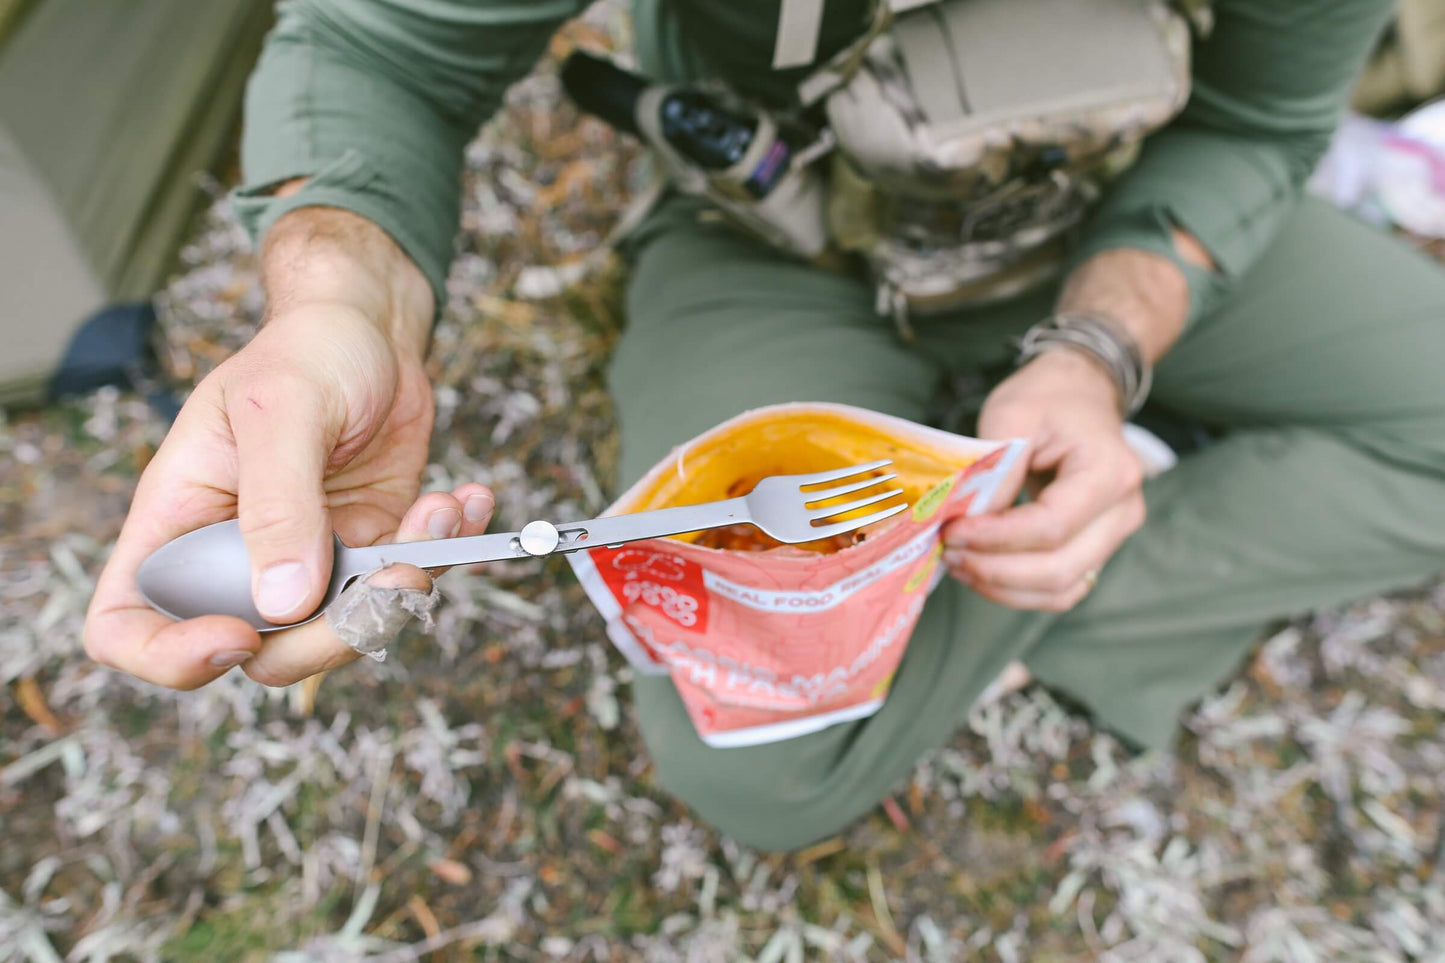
1085,481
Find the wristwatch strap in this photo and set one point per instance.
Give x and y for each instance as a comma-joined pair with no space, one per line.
1102,339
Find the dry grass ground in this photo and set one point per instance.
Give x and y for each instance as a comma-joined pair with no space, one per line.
482,794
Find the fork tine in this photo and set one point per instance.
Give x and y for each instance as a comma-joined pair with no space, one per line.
849,489
818,478
839,528
854,505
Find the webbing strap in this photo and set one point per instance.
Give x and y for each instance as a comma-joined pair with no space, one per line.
837,71
799,23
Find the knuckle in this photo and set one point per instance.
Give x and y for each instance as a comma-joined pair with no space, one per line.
1130,472
979,572
172,677
1004,409
1053,531
400,575
99,647
104,649
258,671
270,519
1060,577
343,656
1059,603
1136,513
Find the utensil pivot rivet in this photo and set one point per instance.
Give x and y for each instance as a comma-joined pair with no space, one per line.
539,538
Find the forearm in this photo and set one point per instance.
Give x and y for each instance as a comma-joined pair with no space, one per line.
1144,293
1268,86
328,256
366,106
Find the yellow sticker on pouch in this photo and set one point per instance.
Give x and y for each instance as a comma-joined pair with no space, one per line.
932,500
925,571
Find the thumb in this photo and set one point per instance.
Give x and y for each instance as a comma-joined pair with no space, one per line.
283,442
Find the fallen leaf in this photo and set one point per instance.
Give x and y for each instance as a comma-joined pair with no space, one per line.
425,918
452,871
32,702
819,850
604,841
895,814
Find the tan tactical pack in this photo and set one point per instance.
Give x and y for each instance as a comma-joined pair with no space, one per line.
973,135
963,141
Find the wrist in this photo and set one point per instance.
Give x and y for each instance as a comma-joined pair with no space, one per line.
1101,342
1083,371
1053,383
1144,294
328,258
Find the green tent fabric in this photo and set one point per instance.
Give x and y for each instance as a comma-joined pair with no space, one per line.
10,11
108,111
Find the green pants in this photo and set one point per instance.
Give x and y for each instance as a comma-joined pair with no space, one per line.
1321,375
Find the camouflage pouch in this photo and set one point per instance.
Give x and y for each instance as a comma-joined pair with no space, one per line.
973,135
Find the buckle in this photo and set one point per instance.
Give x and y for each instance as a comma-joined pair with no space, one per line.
892,301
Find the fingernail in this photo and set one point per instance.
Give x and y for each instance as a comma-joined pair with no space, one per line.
224,660
478,507
953,557
443,523
281,588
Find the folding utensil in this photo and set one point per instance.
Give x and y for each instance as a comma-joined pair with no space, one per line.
207,572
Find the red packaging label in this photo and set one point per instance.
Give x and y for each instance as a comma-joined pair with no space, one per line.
641,575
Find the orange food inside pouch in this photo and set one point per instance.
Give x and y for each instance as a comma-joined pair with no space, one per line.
792,443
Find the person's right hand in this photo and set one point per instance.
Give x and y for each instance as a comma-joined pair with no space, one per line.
321,423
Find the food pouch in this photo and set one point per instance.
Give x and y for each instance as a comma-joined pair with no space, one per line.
768,643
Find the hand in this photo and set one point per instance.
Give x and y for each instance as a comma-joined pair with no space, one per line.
1085,482
317,424
320,423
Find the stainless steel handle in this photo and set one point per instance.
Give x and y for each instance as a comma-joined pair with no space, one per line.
571,537
437,553
659,523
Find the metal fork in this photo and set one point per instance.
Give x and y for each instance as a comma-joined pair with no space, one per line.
207,572
777,504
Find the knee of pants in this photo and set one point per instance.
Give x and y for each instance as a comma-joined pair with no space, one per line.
746,805
1410,467
771,797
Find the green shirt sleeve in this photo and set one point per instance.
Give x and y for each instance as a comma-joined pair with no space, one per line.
374,101
1269,85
